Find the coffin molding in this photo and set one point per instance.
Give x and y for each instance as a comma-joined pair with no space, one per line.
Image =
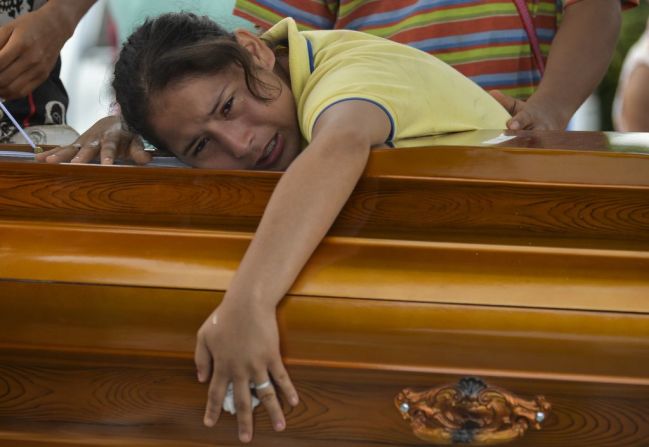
522,265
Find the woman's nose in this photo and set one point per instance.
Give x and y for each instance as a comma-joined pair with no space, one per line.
237,139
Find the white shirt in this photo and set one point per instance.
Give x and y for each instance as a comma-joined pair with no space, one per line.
637,55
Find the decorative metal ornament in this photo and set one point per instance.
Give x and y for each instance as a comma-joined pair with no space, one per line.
470,412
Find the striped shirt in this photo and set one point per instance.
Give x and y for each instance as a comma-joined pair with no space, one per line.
483,39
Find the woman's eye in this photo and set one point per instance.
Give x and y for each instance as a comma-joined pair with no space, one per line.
200,146
227,107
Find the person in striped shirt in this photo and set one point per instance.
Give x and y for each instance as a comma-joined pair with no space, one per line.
486,41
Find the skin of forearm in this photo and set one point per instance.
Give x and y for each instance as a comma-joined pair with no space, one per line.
67,13
580,55
304,205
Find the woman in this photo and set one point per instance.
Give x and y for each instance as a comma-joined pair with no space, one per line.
310,103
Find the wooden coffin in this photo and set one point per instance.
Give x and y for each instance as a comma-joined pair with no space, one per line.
466,294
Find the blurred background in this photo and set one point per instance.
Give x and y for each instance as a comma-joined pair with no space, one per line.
89,55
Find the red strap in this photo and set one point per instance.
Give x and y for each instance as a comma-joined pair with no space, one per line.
531,34
32,110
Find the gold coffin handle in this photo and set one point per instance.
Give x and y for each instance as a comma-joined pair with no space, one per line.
470,412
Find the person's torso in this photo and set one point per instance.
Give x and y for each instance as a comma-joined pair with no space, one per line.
420,94
483,39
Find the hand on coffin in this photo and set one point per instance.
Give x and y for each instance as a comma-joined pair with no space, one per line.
240,344
530,114
106,139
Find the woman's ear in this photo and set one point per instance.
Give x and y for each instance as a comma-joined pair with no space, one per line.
261,54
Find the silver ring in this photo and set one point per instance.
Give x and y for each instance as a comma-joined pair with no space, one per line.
77,146
262,385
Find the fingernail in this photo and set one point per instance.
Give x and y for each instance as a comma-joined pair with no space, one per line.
280,425
514,125
208,422
198,376
293,400
245,437
108,158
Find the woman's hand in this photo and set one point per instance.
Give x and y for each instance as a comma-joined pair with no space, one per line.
30,45
239,343
531,114
106,139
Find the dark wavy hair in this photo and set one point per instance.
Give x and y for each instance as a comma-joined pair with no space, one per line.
169,48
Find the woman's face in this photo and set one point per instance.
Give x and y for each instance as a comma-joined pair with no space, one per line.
214,121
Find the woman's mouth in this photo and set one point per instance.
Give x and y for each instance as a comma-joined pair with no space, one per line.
272,152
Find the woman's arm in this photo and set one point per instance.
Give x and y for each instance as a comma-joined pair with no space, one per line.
578,59
239,342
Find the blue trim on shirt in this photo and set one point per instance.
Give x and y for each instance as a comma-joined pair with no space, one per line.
482,38
384,19
506,79
309,48
388,141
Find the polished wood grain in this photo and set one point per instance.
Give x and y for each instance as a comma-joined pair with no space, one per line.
136,401
526,267
610,347
382,206
553,277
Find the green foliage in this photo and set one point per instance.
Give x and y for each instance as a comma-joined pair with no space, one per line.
633,24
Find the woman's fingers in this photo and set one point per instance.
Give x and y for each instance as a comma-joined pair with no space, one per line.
266,394
506,101
136,151
283,381
202,360
520,121
215,396
515,107
87,152
110,142
43,156
62,154
77,152
243,405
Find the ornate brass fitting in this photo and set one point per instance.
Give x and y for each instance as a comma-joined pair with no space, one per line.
470,413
